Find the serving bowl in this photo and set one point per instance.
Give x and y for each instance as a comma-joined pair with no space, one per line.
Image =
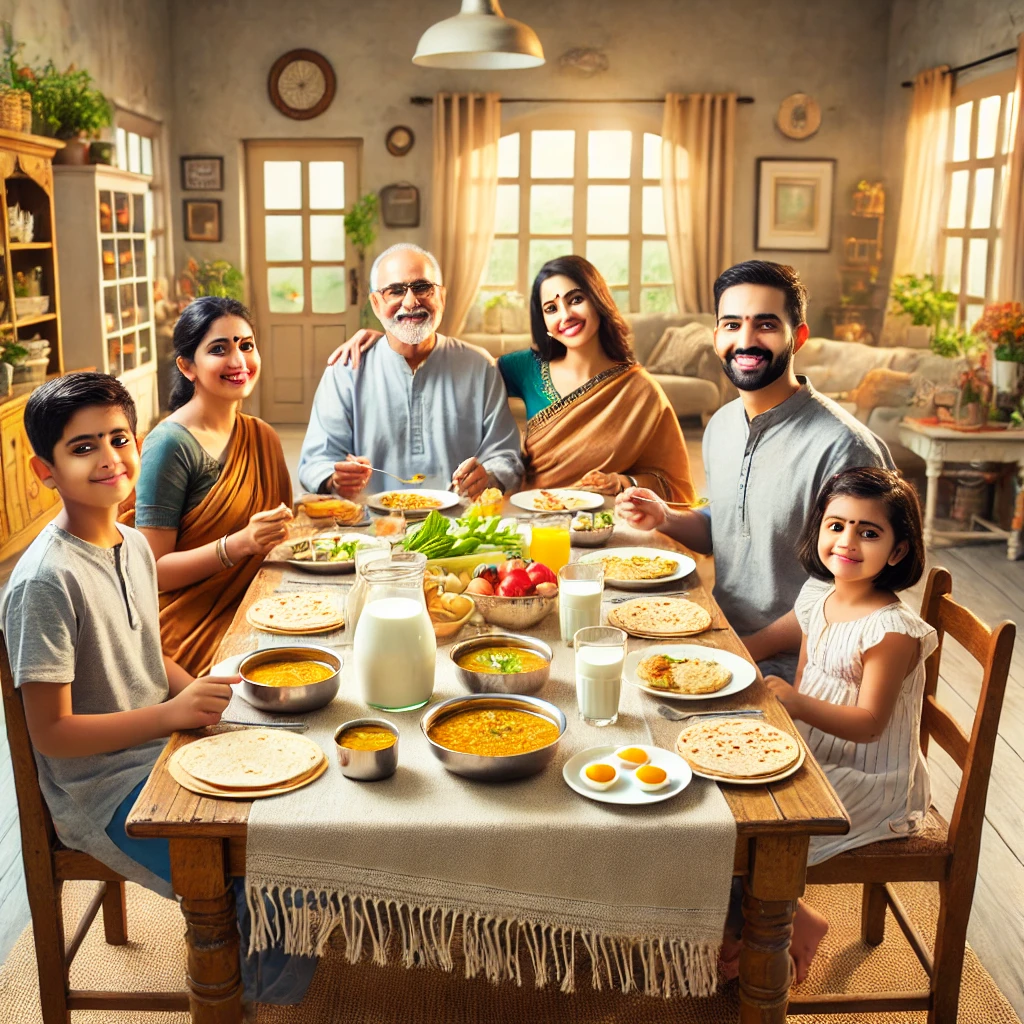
499,682
367,765
591,538
291,699
514,612
493,769
444,630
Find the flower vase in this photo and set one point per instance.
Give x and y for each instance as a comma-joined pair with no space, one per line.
1005,373
969,410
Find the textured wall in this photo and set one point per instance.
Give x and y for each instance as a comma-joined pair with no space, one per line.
223,50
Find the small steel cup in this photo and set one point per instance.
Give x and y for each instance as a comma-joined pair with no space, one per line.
367,765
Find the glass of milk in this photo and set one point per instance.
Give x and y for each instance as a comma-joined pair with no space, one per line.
580,586
600,652
394,647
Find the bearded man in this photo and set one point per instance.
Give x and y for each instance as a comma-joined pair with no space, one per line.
766,456
422,404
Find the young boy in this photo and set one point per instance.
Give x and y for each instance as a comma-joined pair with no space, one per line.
81,622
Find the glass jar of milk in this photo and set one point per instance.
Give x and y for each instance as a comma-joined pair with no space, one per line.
600,653
372,551
394,645
580,587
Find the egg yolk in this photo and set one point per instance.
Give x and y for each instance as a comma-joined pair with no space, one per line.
634,754
650,774
600,772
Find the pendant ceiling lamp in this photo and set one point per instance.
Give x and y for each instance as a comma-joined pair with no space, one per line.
479,37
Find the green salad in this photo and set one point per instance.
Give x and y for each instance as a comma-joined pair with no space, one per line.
441,537
326,549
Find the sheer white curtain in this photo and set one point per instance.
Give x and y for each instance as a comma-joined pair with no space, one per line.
697,160
467,127
1010,286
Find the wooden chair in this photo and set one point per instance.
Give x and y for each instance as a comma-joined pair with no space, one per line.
48,864
941,852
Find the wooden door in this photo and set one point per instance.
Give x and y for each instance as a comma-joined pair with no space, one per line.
298,192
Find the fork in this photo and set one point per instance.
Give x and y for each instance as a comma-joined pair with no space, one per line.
683,505
678,716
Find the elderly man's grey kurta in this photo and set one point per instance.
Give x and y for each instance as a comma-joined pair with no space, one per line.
454,407
763,476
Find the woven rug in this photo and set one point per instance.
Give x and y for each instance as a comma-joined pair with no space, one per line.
364,993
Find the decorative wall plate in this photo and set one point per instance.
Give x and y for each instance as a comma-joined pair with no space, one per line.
301,84
799,116
400,140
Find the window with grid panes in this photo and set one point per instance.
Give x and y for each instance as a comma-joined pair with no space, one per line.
979,140
590,190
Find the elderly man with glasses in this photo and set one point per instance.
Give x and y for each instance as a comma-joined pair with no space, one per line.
423,404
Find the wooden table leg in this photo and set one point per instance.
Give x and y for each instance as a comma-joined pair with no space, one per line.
933,471
199,874
771,889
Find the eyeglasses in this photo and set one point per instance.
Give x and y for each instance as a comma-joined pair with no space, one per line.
396,292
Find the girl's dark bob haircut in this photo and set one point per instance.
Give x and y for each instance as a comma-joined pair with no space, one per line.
904,513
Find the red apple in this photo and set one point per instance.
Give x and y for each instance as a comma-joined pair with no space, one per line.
515,584
510,566
540,573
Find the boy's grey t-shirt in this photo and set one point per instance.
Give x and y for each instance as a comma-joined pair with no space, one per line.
763,476
81,614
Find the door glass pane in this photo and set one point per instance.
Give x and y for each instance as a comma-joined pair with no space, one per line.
284,238
508,156
134,153
147,157
608,154
502,265
326,185
981,215
506,213
653,210
284,289
652,155
550,209
124,259
977,256
121,146
658,300
128,350
951,270
109,261
544,249
142,302
962,132
654,266
611,258
957,215
282,185
621,297
145,346
327,285
607,209
988,122
326,238
552,154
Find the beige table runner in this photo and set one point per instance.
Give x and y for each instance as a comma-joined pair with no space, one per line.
527,865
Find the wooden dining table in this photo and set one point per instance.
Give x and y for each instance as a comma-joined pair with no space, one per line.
774,823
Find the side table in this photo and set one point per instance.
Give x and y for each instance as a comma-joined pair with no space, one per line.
938,445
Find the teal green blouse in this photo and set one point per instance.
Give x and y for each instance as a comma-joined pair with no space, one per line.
528,377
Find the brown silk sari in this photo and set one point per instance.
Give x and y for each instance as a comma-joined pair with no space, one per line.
255,478
618,422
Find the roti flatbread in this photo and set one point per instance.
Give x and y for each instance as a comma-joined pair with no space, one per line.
683,675
638,567
660,616
250,758
737,748
297,613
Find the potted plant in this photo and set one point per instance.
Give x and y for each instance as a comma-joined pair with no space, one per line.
211,277
361,229
10,353
1002,326
927,306
70,108
973,385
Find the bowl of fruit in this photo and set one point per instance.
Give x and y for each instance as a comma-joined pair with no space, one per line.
514,594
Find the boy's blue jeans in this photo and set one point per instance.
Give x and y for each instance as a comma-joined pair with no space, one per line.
272,976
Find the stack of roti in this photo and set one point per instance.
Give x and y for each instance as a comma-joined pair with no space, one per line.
247,763
296,614
660,617
737,749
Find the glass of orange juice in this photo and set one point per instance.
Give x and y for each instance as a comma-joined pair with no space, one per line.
549,541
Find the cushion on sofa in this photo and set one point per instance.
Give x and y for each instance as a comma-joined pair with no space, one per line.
648,328
681,350
689,396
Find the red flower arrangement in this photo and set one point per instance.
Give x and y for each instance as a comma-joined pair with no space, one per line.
1002,324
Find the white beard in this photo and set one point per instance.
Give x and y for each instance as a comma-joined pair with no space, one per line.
410,332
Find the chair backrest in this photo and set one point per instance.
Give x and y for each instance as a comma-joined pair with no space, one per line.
992,649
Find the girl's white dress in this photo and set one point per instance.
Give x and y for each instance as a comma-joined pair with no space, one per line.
884,785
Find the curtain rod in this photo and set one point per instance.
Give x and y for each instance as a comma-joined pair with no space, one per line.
425,101
972,64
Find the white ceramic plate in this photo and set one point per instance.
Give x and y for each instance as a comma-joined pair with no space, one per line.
684,566
448,499
586,499
625,790
777,777
331,568
743,673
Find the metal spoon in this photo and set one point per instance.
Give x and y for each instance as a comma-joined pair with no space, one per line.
678,716
290,726
418,478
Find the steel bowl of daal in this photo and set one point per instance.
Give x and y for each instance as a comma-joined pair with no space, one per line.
502,663
291,680
494,737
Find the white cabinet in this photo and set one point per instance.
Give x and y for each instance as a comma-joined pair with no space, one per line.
105,223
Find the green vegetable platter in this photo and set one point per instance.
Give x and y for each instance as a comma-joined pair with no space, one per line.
442,539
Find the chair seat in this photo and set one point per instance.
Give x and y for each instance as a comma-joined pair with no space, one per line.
921,857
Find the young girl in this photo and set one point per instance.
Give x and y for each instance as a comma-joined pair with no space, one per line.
860,679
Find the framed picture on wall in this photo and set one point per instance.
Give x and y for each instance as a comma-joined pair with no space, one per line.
202,173
202,220
794,204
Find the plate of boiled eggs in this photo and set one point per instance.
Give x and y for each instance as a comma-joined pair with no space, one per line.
632,774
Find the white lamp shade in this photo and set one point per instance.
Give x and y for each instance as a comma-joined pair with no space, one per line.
479,37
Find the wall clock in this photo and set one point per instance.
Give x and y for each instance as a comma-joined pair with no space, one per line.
301,84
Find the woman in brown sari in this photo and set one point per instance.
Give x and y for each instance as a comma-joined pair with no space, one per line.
596,419
213,496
